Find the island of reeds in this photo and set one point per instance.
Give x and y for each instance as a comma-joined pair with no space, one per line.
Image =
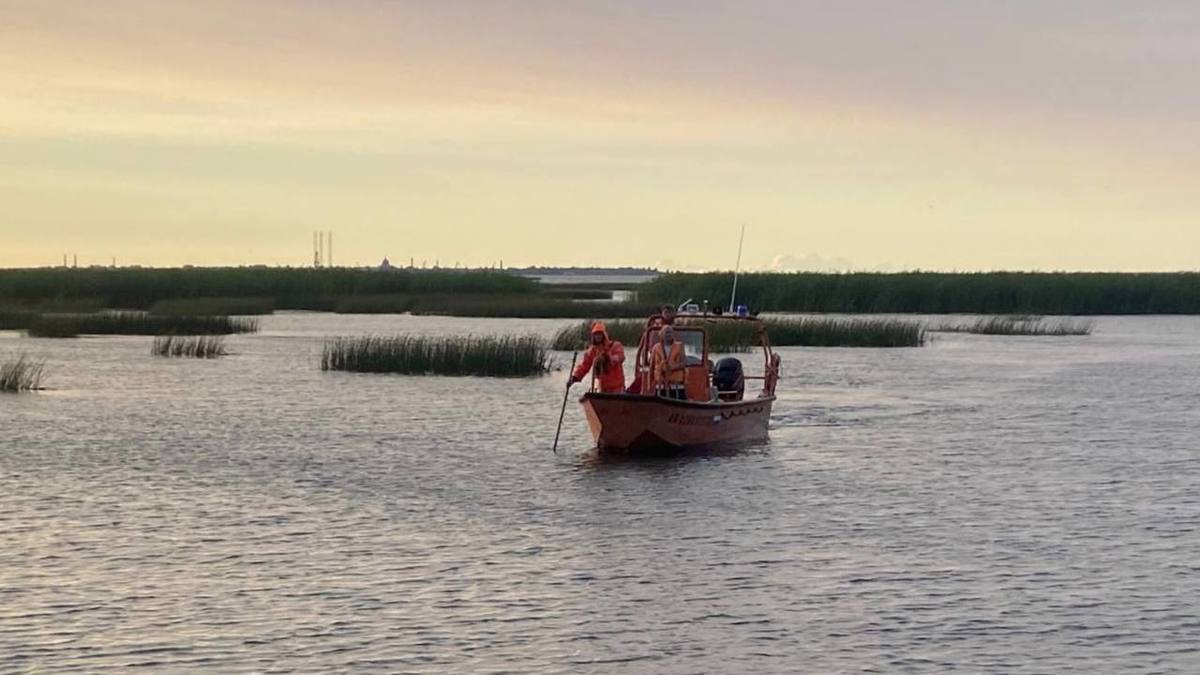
135,323
1019,325
190,346
21,374
729,336
490,356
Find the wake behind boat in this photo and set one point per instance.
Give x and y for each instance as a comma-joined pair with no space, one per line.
700,405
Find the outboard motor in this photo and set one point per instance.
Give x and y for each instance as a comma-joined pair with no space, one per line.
728,379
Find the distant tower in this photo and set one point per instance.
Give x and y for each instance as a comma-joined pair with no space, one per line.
329,250
316,251
64,260
75,260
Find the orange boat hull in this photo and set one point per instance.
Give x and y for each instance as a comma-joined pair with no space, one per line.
631,422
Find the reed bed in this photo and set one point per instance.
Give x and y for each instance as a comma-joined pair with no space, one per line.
415,355
21,374
1002,293
214,307
136,323
1020,325
295,288
727,336
189,346
16,319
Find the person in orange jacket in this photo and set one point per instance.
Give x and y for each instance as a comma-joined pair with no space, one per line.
668,365
606,358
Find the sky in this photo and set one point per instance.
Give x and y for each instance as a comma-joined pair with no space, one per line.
929,134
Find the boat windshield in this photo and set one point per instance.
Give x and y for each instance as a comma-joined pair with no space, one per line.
693,343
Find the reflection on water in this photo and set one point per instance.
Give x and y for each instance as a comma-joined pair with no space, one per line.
984,504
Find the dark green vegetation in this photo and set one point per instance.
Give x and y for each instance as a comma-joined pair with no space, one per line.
525,307
942,293
480,356
22,374
136,323
214,306
728,336
289,288
1009,325
193,346
843,332
15,319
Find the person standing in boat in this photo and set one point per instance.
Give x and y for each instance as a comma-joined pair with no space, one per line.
668,315
669,366
643,379
606,359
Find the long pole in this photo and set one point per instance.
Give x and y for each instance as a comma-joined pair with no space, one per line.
566,393
736,270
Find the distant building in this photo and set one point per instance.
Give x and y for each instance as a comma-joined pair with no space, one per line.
386,264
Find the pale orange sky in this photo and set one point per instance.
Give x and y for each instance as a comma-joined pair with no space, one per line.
932,134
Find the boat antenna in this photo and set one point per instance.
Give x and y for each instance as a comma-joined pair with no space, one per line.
736,270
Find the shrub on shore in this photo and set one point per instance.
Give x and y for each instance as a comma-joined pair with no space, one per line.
21,374
191,346
414,355
136,323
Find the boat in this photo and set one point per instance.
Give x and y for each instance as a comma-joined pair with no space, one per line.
715,412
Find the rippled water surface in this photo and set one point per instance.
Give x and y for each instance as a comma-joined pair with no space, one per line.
984,504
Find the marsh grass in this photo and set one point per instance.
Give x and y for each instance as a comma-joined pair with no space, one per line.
16,319
132,288
22,374
494,356
214,306
1020,325
136,323
727,336
190,346
996,293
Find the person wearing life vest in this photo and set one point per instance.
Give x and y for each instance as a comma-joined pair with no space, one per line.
643,379
606,359
668,365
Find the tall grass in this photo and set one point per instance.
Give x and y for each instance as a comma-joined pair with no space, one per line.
16,319
1024,325
1059,293
136,323
191,346
22,374
214,306
729,336
132,288
413,355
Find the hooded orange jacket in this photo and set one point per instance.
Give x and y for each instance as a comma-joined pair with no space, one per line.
612,378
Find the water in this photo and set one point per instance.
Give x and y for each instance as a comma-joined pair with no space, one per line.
985,504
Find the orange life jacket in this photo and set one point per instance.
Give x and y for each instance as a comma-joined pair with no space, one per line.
664,362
